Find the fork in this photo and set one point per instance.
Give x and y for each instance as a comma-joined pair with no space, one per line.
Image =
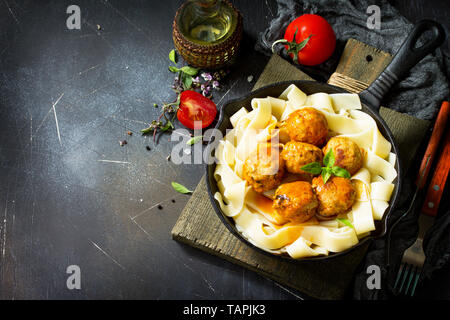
413,258
412,261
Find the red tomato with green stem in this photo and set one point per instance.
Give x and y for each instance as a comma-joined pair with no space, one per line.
195,107
309,40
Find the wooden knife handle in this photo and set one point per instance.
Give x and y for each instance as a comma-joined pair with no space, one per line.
433,144
437,185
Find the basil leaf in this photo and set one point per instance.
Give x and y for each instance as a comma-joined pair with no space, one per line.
313,167
187,80
189,70
194,140
340,172
326,174
346,222
180,188
328,160
173,56
173,69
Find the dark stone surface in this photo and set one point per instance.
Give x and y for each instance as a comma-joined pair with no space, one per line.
69,193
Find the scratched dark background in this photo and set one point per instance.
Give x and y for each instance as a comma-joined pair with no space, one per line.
69,194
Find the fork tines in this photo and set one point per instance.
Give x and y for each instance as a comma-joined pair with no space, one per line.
409,275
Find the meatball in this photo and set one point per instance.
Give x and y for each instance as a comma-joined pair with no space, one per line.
295,202
297,154
335,197
264,168
307,125
346,152
283,134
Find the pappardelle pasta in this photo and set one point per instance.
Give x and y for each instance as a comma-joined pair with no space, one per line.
280,207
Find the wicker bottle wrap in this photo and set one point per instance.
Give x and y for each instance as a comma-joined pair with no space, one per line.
212,56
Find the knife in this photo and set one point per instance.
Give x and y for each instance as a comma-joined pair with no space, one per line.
437,184
431,203
424,221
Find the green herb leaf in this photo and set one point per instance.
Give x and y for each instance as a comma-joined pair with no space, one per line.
173,56
189,70
173,69
313,167
147,130
194,140
180,188
329,169
346,222
326,174
328,160
169,125
187,81
340,172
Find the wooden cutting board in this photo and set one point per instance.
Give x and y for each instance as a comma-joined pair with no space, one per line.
200,227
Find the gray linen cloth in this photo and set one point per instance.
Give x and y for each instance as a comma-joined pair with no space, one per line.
419,94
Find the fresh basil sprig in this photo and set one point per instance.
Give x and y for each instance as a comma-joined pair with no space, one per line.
185,73
186,78
329,169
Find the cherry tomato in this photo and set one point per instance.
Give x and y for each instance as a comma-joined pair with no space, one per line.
319,46
195,107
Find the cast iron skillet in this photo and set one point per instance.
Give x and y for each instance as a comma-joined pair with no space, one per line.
407,56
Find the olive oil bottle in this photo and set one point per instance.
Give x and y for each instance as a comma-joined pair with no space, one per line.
207,21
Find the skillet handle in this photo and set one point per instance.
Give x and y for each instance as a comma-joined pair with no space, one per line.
405,58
